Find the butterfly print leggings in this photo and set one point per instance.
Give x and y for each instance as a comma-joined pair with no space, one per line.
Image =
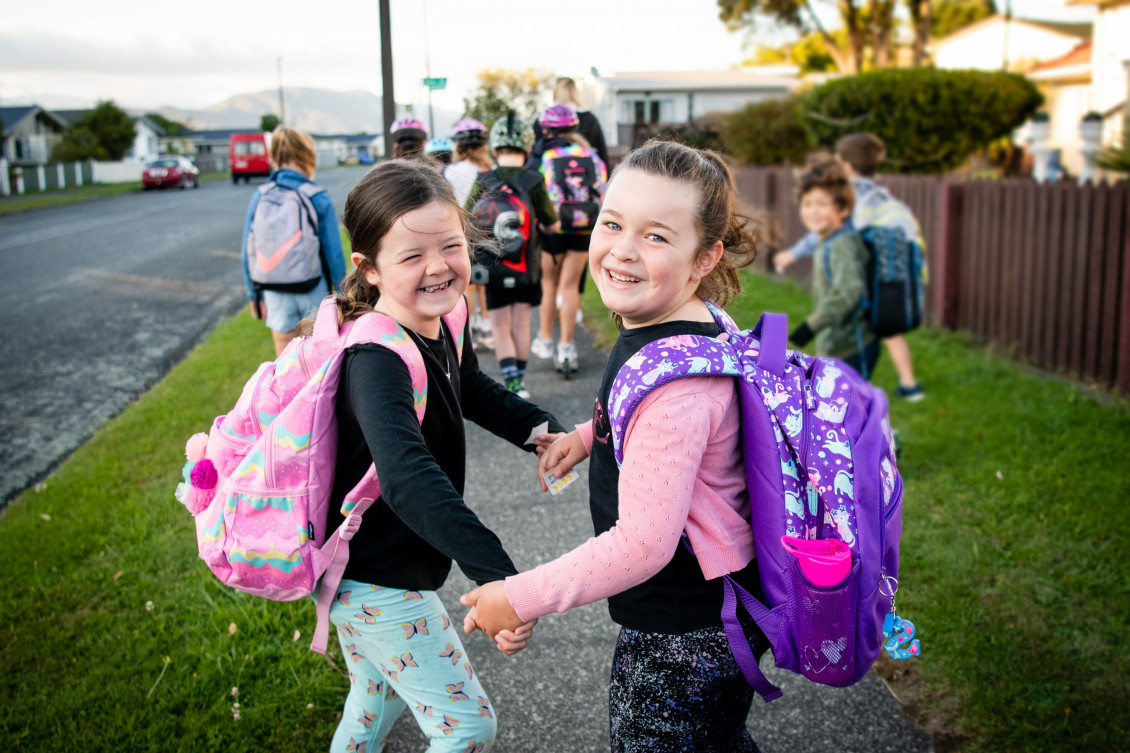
678,693
403,651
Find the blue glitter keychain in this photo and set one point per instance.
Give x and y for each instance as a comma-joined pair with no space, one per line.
898,633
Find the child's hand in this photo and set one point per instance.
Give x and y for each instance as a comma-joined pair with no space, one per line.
782,260
542,443
490,610
511,642
258,309
561,456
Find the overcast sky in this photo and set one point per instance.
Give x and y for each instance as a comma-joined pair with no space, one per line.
69,53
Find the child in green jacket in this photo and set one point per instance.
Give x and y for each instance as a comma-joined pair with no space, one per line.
839,271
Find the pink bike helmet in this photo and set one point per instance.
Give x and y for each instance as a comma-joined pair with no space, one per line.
470,133
408,129
559,117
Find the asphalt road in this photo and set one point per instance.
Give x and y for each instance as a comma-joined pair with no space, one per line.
101,298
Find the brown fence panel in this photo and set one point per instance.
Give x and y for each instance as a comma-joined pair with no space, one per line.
1118,218
1042,270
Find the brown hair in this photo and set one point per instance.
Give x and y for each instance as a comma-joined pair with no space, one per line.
480,155
718,217
566,92
376,203
829,176
289,146
863,151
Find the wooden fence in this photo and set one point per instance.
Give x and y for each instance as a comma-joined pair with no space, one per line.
1041,270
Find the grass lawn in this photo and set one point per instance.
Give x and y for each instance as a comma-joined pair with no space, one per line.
1014,569
1014,565
78,193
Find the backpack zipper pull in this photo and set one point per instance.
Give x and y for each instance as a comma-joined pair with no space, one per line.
809,401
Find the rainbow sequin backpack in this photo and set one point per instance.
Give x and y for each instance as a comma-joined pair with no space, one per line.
259,482
821,471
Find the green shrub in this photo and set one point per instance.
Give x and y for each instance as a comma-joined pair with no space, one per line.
1117,159
701,133
931,120
767,133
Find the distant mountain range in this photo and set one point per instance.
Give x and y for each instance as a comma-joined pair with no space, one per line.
321,111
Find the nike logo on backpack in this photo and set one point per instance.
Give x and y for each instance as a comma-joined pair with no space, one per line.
267,263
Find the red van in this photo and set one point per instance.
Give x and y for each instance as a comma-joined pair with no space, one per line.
248,155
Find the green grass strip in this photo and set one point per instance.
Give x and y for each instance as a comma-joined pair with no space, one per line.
75,194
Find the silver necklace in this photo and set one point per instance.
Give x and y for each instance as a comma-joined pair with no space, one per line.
443,340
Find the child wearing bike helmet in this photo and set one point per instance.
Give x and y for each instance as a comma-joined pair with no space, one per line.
472,157
440,150
408,137
574,178
508,203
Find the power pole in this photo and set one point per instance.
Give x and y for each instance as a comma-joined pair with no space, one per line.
282,104
428,72
388,98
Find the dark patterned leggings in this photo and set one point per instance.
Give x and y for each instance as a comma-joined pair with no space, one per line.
678,693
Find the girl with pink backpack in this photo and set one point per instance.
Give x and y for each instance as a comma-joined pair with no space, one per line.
412,264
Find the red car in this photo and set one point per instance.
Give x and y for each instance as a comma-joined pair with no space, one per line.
170,171
248,155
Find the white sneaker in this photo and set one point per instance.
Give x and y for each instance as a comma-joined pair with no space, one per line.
566,360
580,316
542,348
486,326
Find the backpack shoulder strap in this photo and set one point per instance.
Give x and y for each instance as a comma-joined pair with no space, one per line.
310,189
489,180
456,321
528,180
657,363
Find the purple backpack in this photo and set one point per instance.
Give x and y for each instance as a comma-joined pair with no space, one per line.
259,484
820,464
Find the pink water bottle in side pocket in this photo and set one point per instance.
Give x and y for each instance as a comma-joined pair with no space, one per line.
825,562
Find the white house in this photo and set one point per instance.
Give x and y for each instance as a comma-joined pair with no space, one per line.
30,134
146,141
1092,78
627,104
1012,43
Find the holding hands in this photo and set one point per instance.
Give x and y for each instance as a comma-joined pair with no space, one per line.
560,457
491,612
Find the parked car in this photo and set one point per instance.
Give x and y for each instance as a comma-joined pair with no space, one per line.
170,171
248,154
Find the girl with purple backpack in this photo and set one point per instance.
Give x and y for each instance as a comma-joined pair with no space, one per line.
668,237
412,263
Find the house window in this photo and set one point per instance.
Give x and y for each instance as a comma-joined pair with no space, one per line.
648,111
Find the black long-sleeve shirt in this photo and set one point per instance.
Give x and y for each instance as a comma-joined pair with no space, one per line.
410,535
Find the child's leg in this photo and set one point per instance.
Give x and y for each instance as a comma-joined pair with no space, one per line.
520,330
547,311
899,352
678,693
571,270
500,321
418,650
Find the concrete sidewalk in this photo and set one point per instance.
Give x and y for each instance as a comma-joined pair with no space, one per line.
554,695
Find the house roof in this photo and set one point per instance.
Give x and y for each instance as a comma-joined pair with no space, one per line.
1079,29
1074,65
11,116
753,77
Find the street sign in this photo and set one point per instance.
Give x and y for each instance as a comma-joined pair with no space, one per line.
435,83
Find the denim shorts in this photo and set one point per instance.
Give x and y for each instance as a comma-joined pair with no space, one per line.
285,309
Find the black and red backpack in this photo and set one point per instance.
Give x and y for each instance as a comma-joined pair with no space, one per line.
505,215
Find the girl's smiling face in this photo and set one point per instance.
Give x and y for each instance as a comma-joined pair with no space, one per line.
820,213
644,251
422,267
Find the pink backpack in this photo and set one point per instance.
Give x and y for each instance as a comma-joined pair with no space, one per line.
259,484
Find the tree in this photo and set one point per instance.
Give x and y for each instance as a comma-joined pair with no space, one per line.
868,25
502,89
931,120
170,127
954,15
104,133
268,122
809,54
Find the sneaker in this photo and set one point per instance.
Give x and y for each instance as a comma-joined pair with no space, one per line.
516,386
580,316
542,348
911,394
485,326
566,360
